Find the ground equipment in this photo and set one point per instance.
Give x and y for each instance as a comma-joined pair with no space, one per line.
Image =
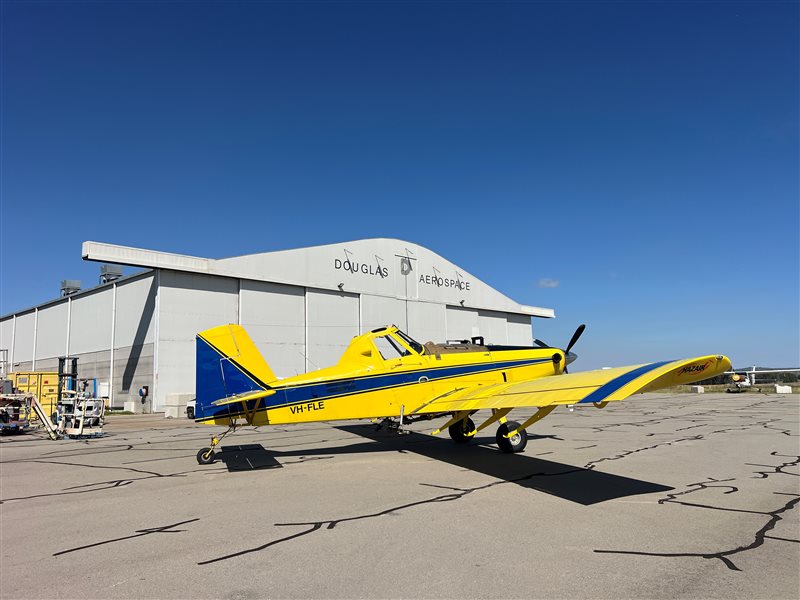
15,412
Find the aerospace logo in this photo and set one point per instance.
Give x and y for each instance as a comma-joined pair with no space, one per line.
445,282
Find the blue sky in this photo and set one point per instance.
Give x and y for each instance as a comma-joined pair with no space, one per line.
642,156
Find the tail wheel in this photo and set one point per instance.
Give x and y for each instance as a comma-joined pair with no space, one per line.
515,443
463,431
205,456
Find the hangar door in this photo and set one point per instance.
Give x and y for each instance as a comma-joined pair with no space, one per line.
495,327
377,311
331,322
275,317
462,323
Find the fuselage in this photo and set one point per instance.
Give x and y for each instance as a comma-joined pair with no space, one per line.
368,382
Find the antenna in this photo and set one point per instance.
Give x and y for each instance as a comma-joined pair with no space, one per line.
315,365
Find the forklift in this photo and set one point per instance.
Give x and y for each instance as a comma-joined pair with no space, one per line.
79,413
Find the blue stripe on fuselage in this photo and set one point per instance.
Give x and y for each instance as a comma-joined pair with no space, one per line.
359,385
604,391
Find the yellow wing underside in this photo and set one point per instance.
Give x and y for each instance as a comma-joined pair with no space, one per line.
606,385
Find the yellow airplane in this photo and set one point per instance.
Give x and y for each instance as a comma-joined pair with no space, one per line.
384,374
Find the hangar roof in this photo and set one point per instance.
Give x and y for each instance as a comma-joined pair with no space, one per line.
380,266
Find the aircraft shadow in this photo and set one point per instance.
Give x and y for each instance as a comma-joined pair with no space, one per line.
247,457
569,482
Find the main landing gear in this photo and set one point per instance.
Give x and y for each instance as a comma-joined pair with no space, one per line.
464,431
511,436
515,443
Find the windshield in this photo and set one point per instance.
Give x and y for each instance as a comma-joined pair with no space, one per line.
414,345
389,348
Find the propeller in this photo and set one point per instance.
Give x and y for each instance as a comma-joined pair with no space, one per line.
575,337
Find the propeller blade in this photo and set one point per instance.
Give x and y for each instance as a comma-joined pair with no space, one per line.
575,337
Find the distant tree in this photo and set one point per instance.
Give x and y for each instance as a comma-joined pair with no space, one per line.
788,377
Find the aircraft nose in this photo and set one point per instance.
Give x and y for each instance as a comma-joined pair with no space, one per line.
570,358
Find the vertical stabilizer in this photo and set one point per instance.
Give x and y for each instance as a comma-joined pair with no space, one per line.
228,364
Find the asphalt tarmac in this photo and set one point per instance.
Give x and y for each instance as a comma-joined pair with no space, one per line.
660,496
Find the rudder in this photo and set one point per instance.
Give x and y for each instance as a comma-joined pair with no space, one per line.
227,364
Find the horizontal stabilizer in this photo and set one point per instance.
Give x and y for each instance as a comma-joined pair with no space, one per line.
242,398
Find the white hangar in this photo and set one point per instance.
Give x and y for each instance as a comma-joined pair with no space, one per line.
301,307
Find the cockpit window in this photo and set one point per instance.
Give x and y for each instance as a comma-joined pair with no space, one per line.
415,346
390,349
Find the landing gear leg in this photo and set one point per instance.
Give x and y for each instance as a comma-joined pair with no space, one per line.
206,456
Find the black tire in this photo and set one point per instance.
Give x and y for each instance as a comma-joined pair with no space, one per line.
189,412
205,456
463,431
514,444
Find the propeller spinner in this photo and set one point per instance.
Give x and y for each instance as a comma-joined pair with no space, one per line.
568,356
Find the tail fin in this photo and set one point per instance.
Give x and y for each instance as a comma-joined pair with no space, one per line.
228,364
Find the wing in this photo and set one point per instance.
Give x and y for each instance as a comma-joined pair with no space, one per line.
606,385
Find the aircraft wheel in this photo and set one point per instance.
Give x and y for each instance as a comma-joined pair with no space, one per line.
205,456
512,444
463,431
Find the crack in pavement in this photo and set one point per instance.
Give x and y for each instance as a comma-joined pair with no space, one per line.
114,483
455,494
723,555
625,453
776,468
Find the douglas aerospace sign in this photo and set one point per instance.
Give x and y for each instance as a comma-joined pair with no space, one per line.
377,270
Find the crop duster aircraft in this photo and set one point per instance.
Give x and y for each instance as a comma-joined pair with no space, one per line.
384,374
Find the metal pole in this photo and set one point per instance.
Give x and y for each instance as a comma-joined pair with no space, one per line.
69,323
157,344
13,341
113,335
35,335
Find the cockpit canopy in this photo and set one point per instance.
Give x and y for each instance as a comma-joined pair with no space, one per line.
393,343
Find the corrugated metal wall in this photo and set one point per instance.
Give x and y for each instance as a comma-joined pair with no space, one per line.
427,322
462,323
275,317
51,339
188,303
90,325
22,348
378,311
134,337
332,320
